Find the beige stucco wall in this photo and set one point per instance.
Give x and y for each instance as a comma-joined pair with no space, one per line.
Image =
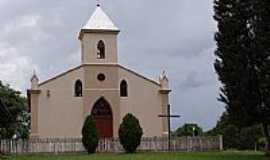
89,48
95,89
61,114
144,101
34,100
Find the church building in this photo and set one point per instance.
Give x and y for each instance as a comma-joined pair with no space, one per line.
100,87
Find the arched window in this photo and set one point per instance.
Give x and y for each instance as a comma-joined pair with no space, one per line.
78,88
101,50
123,89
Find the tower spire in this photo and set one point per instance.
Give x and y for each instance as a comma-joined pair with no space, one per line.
100,21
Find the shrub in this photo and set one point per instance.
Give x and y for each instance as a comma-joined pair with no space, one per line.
130,133
231,137
90,135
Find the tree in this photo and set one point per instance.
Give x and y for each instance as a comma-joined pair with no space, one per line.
189,130
250,136
243,63
23,126
90,135
13,107
230,132
237,137
222,123
130,133
261,33
231,137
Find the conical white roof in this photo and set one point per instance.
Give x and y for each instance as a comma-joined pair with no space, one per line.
100,21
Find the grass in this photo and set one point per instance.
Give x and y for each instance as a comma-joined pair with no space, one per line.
150,156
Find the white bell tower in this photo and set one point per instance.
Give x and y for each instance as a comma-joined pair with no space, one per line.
99,39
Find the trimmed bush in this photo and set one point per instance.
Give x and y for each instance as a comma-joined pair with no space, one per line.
130,133
90,135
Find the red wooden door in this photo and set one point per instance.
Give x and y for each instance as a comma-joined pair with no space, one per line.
104,126
102,114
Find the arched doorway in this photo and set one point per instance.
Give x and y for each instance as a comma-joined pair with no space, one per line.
102,114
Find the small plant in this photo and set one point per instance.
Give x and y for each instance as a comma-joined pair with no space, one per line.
90,135
130,133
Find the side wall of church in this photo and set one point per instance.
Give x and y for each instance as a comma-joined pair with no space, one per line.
60,112
144,101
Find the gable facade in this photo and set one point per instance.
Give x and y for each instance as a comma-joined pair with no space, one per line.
57,111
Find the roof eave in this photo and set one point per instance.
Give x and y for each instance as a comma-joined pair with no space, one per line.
109,31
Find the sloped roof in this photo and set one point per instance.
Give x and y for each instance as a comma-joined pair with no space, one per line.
100,21
112,65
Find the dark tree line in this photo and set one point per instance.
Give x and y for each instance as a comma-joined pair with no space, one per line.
234,137
237,137
188,129
14,116
243,60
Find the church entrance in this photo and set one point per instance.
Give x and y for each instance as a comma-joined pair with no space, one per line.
102,114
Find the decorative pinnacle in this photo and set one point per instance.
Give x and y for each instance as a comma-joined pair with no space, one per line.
163,76
34,76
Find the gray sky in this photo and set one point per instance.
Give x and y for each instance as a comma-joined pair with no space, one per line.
175,35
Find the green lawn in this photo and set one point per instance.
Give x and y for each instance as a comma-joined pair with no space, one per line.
150,156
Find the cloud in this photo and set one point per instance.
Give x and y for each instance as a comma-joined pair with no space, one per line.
191,81
27,21
15,69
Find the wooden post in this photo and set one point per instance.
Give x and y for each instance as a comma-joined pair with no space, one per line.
221,142
169,116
